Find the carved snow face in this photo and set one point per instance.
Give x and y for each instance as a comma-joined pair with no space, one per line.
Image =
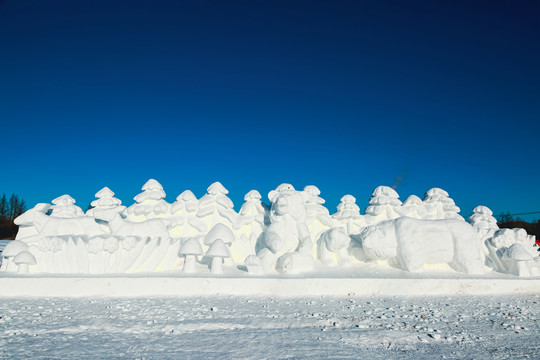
379,242
289,203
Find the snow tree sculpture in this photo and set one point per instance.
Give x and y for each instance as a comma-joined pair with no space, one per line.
383,205
150,203
440,206
64,207
483,221
318,218
215,207
413,207
348,215
184,216
250,223
106,202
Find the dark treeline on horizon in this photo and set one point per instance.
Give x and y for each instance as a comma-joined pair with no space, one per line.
9,210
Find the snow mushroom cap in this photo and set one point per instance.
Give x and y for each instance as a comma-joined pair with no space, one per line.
24,257
190,247
13,248
219,231
218,249
517,252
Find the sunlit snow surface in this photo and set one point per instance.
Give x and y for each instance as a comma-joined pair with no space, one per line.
479,327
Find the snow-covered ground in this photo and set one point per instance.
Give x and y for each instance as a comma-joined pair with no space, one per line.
479,327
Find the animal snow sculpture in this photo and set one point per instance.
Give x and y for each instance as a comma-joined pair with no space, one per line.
64,207
106,202
27,229
348,215
149,228
184,216
286,234
332,247
410,243
413,207
150,203
383,205
440,206
57,226
215,207
513,251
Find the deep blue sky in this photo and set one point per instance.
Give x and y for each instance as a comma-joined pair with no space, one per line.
345,95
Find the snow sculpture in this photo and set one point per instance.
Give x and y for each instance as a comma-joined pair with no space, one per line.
440,206
27,228
105,203
410,243
250,224
64,207
150,203
52,225
513,251
287,235
11,250
483,221
318,218
190,249
332,247
348,215
215,207
218,251
383,205
184,216
22,260
413,207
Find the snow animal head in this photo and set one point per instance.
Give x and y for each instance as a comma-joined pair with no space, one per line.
379,241
336,239
287,202
28,217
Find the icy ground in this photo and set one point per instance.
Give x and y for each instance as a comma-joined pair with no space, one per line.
479,327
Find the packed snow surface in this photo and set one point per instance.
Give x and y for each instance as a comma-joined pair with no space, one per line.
472,327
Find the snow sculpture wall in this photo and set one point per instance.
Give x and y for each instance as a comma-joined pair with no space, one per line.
294,234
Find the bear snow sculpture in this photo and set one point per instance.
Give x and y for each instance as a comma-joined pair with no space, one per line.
286,234
332,247
411,243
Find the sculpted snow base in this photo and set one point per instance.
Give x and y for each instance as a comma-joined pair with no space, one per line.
294,234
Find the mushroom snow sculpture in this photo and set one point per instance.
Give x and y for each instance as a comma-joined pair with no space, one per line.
517,260
23,259
218,252
223,232
12,249
190,249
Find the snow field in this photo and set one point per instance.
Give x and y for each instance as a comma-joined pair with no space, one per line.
478,327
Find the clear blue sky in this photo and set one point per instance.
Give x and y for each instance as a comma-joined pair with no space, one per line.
344,95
